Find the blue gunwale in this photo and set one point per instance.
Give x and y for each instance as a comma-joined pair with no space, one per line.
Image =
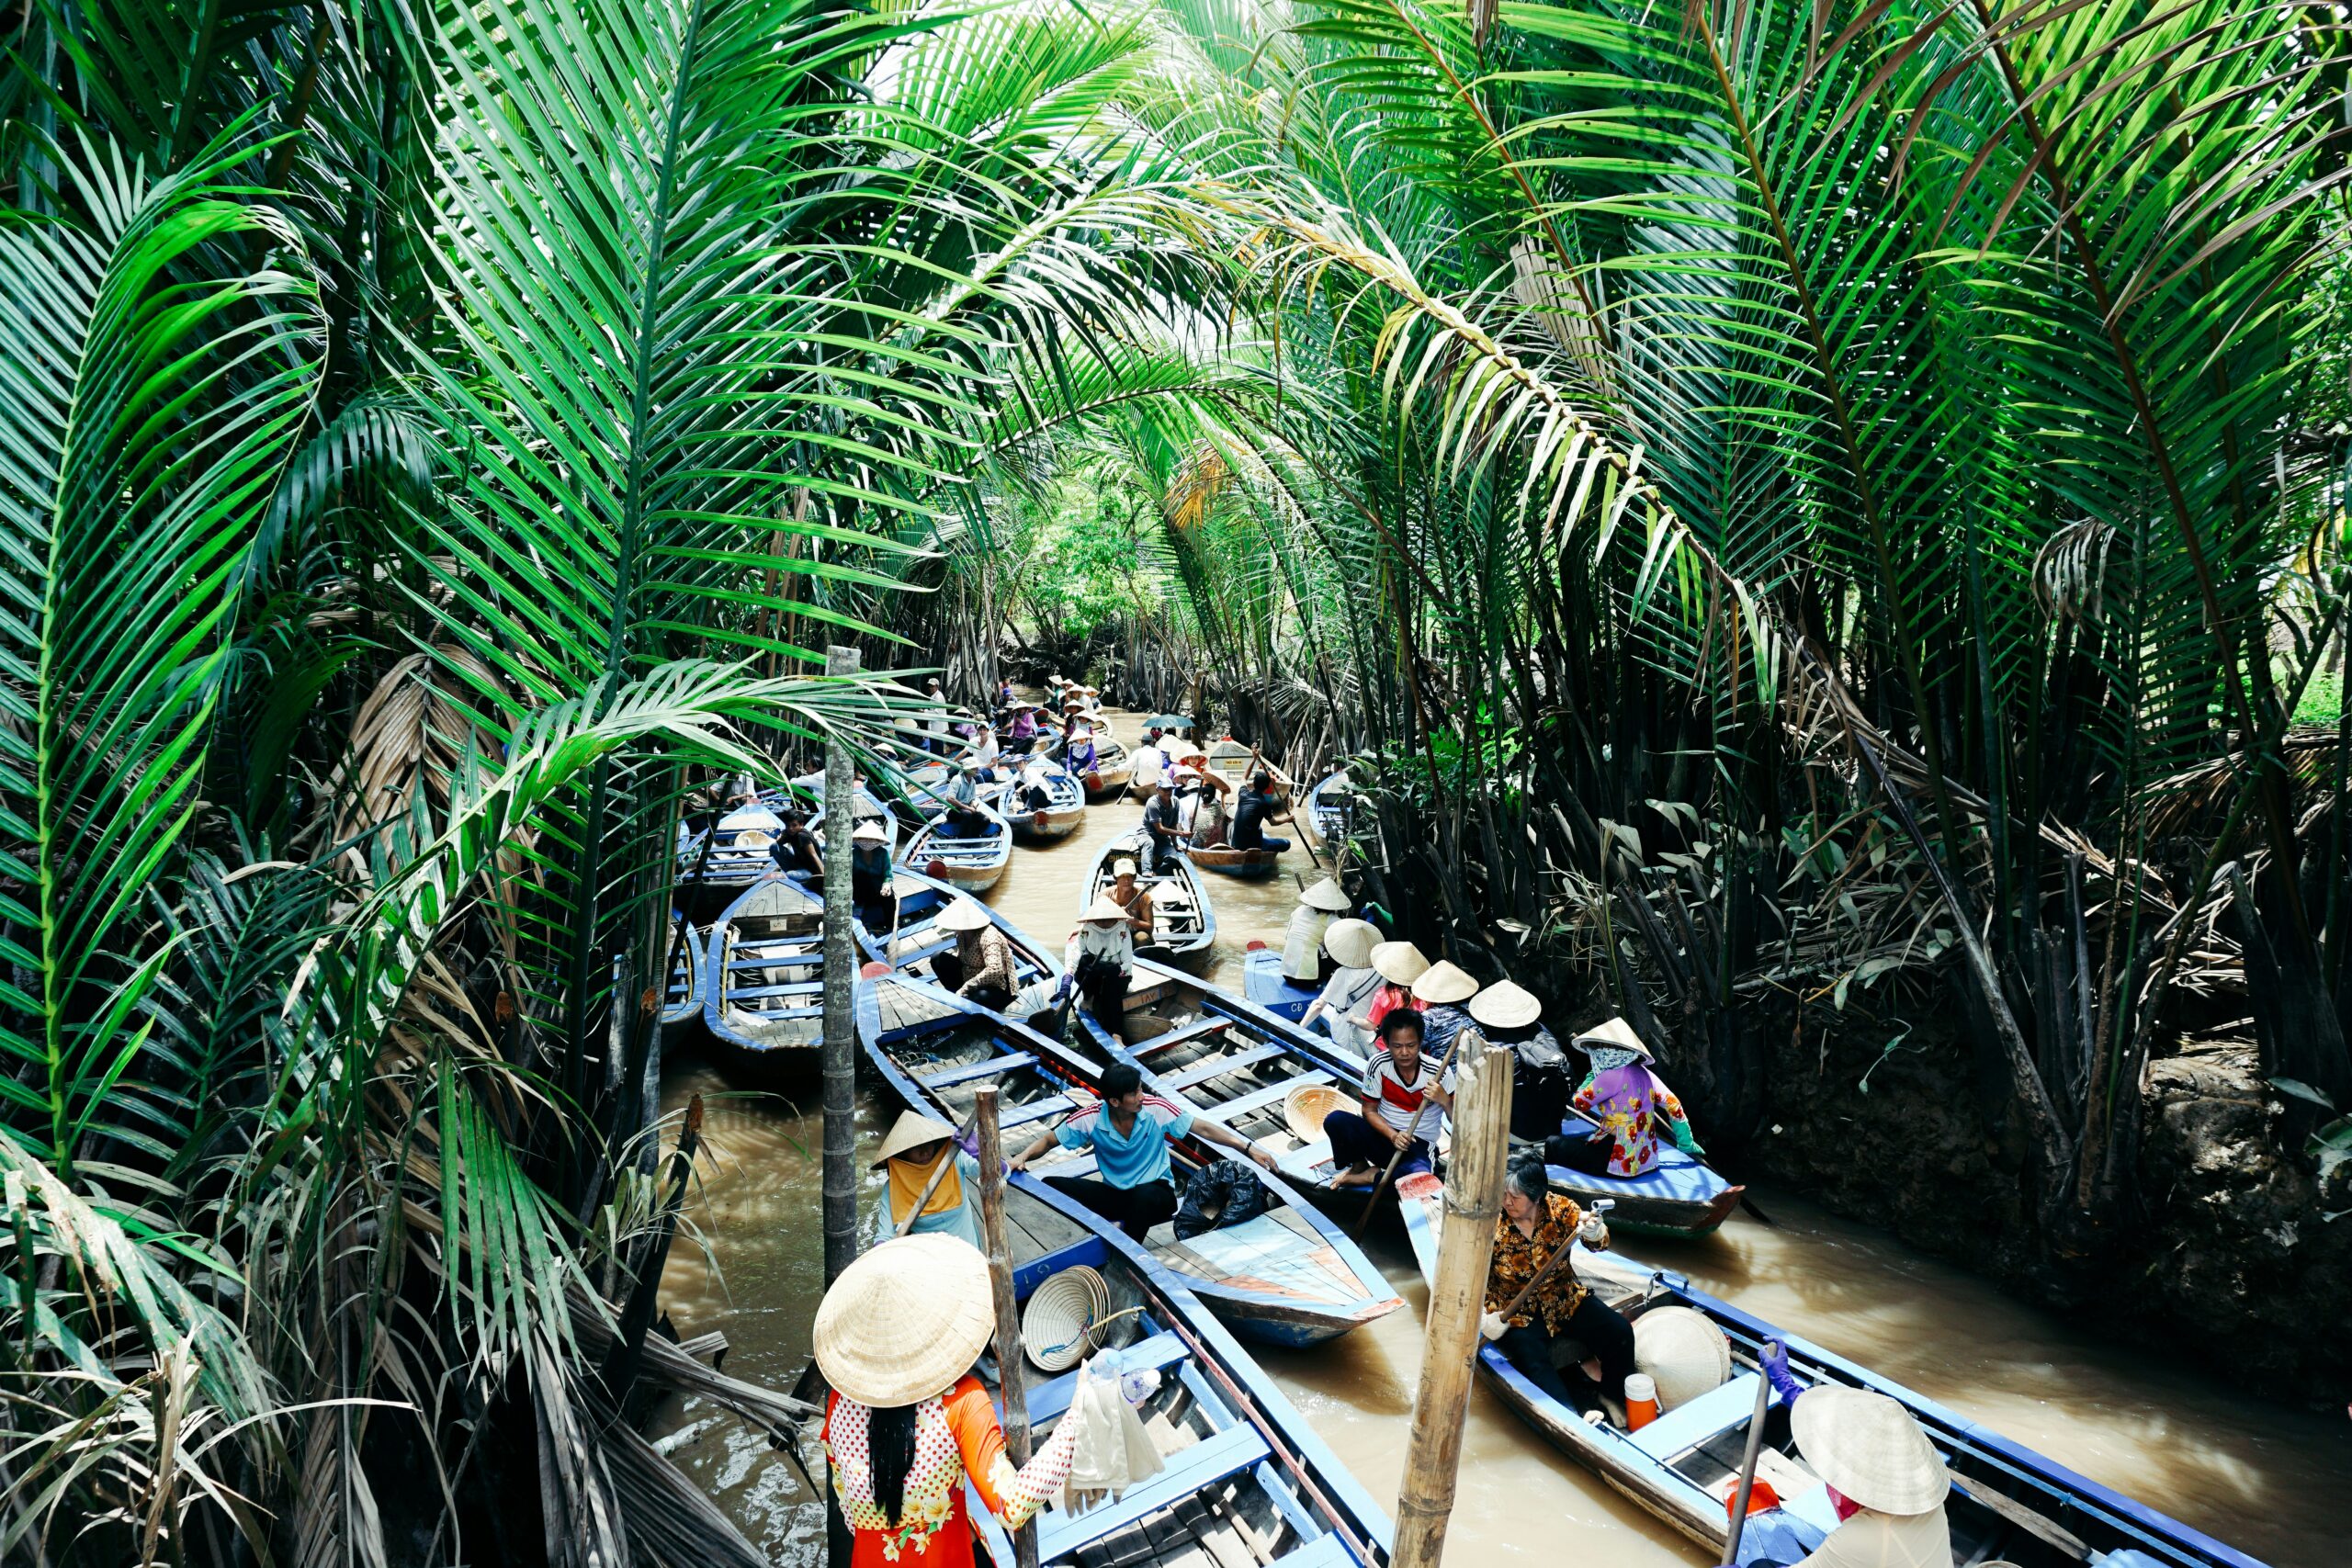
1278,1320
980,858
1064,795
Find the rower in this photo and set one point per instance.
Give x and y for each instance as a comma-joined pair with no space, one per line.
1885,1483
1129,893
1630,1103
1535,1224
1349,944
980,969
965,817
1129,1133
1318,908
909,1157
1402,1102
1253,808
1100,959
1163,821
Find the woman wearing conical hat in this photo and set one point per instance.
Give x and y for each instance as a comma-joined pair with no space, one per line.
910,1156
1318,906
1100,959
1350,943
1399,964
1438,991
907,1423
1885,1482
1631,1104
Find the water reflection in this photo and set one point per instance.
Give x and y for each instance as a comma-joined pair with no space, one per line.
2271,1483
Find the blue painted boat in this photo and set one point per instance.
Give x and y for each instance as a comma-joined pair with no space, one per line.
971,862
2007,1503
918,939
1245,1473
682,999
1329,817
1263,982
1062,814
1286,1277
1184,922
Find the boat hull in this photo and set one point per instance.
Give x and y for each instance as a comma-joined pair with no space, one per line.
1184,926
972,862
1263,982
1252,865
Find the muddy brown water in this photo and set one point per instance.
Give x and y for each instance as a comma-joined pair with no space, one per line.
2276,1483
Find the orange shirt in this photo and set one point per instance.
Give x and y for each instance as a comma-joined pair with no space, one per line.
956,1435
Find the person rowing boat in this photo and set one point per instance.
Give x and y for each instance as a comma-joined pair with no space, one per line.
1536,1225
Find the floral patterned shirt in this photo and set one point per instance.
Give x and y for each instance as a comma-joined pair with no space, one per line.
1629,1102
956,1435
1517,1258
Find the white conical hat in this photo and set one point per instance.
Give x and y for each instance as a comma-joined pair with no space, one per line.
1683,1351
1104,907
963,915
1326,895
1616,1031
868,833
1350,943
905,1320
1504,1006
1398,963
912,1129
1869,1449
1444,982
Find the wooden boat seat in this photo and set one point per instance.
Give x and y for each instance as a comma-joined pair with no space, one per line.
1201,1072
1050,1399
787,989
987,1066
1191,1470
1036,1110
1192,1030
1687,1426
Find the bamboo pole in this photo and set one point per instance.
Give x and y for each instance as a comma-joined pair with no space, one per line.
841,975
1474,1193
997,1235
938,1174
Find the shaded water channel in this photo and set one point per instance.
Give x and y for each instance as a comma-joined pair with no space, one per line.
2275,1483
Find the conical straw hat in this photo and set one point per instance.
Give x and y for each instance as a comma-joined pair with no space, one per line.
912,1129
963,915
1504,1006
1306,1104
1104,907
1683,1352
868,833
1444,982
1869,1449
1616,1031
1326,895
1399,963
1350,943
905,1320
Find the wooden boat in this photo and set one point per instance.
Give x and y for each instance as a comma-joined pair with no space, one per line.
1263,982
1234,762
2007,1503
1063,814
919,940
1113,768
1286,1277
682,1000
1184,922
1328,817
970,861
1226,860
716,865
1247,1483
868,808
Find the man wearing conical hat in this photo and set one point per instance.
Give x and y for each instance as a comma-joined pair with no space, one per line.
1318,906
911,1155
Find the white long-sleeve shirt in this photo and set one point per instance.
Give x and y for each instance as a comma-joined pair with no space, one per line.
1113,943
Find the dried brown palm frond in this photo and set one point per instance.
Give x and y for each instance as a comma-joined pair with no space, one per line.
2197,801
408,735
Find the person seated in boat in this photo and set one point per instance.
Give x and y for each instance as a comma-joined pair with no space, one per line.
981,968
1150,767
1438,991
747,812
1353,981
1077,749
1885,1483
1399,964
870,877
1100,959
1403,1100
962,794
1032,787
795,847
1163,822
1129,893
1628,1102
986,753
1134,1185
909,1157
1535,1224
1511,1016
1320,908
1253,808
906,1422
1025,724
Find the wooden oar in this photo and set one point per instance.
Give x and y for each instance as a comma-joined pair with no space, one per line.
946,1164
1747,1463
1399,1158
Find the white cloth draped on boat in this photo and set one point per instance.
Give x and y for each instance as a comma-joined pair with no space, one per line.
1113,943
1114,1449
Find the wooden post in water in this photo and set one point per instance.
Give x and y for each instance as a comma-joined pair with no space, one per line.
1474,1193
998,1238
840,979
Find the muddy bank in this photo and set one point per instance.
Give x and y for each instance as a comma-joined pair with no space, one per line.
2229,1259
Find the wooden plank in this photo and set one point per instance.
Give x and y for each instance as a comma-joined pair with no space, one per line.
1216,1067
1270,1095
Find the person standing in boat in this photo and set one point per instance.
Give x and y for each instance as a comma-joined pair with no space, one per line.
1133,1186
1403,1101
870,877
1350,943
1320,908
1100,959
934,723
1438,991
1885,1483
909,1157
1132,896
1253,808
980,969
907,1423
1629,1102
1535,1224
1163,824
1399,964
1150,768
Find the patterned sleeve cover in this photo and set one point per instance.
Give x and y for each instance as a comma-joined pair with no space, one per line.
1668,1111
1012,1495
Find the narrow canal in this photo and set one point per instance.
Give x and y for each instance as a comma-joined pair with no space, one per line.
2169,1431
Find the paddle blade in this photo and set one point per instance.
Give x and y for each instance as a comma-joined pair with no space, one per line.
874,970
1419,1185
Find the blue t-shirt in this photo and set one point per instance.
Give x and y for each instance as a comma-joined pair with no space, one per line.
1139,1158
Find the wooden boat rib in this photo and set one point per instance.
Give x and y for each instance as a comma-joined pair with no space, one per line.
2007,1503
1286,1277
972,863
1184,922
1063,814
1247,1483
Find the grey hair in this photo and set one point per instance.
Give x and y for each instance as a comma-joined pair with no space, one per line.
1535,1183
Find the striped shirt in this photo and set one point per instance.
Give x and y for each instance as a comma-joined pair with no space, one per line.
1405,1105
1138,1158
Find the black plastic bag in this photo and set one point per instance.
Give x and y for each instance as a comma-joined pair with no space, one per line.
1223,1192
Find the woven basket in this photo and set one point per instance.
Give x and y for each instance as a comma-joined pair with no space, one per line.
1306,1104
1058,1327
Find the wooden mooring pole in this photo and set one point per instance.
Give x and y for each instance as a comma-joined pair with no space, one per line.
840,979
997,1235
1474,1193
